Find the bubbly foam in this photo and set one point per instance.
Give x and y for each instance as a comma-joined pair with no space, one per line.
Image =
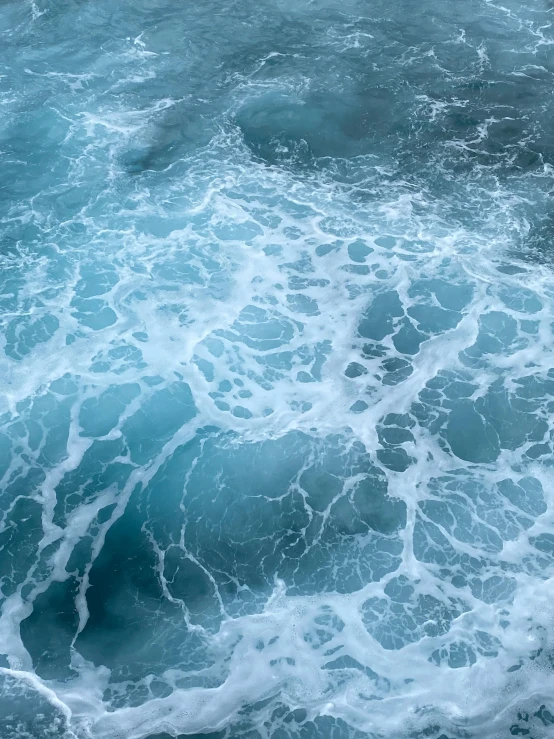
276,431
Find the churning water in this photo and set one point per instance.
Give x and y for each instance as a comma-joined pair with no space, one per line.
277,362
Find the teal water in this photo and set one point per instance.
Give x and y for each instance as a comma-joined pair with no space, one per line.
277,369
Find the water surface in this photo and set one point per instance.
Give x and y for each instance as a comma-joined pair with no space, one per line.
277,310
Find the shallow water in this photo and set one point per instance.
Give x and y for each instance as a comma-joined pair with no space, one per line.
277,360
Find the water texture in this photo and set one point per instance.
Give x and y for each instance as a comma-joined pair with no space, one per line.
277,369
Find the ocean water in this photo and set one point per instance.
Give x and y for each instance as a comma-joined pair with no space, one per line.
277,369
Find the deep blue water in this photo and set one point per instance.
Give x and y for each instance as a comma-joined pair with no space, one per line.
277,369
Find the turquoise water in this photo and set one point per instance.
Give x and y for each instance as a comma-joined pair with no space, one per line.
277,369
